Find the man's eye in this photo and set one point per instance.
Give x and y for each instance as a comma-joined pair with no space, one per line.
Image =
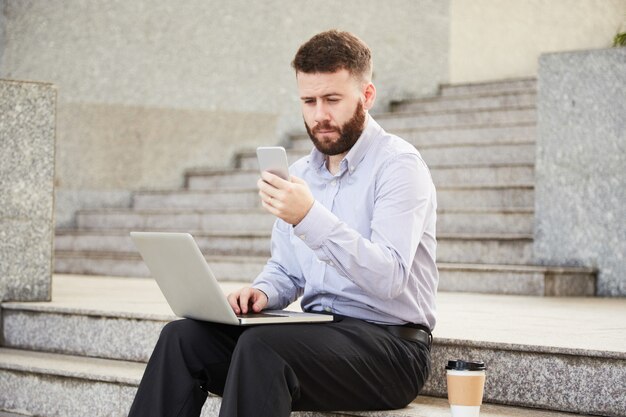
333,100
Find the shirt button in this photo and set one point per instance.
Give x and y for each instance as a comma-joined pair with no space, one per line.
333,183
303,237
351,168
328,309
330,263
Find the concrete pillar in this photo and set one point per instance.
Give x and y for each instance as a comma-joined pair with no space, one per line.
27,139
2,29
580,200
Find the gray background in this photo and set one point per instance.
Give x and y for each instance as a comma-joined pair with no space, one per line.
148,88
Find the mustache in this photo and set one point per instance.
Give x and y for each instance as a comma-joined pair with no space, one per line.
325,125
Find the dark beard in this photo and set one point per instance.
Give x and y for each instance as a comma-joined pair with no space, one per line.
349,133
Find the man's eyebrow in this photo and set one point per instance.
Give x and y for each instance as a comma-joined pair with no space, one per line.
324,96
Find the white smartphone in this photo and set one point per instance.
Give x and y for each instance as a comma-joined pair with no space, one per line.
274,160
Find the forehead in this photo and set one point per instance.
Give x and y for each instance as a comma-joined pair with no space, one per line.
323,83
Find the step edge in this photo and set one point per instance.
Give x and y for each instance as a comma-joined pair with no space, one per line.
530,268
529,348
59,357
463,97
480,110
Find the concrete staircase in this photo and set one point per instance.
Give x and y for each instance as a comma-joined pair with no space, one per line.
83,353
479,143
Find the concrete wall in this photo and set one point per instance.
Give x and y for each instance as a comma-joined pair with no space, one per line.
504,38
27,113
148,88
580,185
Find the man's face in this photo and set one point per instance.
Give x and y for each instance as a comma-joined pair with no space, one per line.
333,110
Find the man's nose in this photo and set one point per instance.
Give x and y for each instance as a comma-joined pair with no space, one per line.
321,112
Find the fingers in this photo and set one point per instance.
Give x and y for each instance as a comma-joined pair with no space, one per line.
233,300
260,301
244,299
297,180
274,180
271,198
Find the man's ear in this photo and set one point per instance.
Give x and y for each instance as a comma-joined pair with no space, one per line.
370,96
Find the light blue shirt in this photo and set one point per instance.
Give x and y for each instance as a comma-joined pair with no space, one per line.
366,249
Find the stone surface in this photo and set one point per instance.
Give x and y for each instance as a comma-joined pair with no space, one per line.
74,386
581,160
548,380
27,141
61,380
536,354
2,29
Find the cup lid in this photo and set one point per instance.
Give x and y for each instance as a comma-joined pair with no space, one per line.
461,365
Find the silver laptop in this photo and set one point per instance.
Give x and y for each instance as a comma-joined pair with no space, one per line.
190,288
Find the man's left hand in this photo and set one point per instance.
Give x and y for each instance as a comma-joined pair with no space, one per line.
287,200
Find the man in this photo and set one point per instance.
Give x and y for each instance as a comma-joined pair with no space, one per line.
355,237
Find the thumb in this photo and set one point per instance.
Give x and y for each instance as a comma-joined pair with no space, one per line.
260,301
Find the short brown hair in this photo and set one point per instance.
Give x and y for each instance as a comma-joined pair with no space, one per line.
332,51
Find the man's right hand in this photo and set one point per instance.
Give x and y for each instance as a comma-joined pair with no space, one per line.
246,299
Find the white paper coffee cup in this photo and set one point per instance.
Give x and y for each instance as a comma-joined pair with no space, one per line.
466,383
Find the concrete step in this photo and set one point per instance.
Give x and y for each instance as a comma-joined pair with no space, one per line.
450,220
517,280
446,136
243,198
130,264
500,154
473,248
500,249
476,175
207,180
250,220
211,179
45,384
485,221
501,197
575,365
479,175
477,278
446,156
489,101
217,244
110,385
490,87
504,196
466,118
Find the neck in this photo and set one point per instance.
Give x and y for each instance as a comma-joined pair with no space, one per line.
333,162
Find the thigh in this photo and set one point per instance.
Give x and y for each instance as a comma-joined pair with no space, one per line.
204,349
347,365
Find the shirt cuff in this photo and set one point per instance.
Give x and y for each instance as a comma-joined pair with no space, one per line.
316,226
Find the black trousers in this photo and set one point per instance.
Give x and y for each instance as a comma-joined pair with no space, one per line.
268,371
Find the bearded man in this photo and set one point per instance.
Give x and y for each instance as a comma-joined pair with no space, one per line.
354,237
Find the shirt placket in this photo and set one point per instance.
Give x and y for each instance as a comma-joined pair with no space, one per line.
330,194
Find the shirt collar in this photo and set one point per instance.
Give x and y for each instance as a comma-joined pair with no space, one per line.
358,151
